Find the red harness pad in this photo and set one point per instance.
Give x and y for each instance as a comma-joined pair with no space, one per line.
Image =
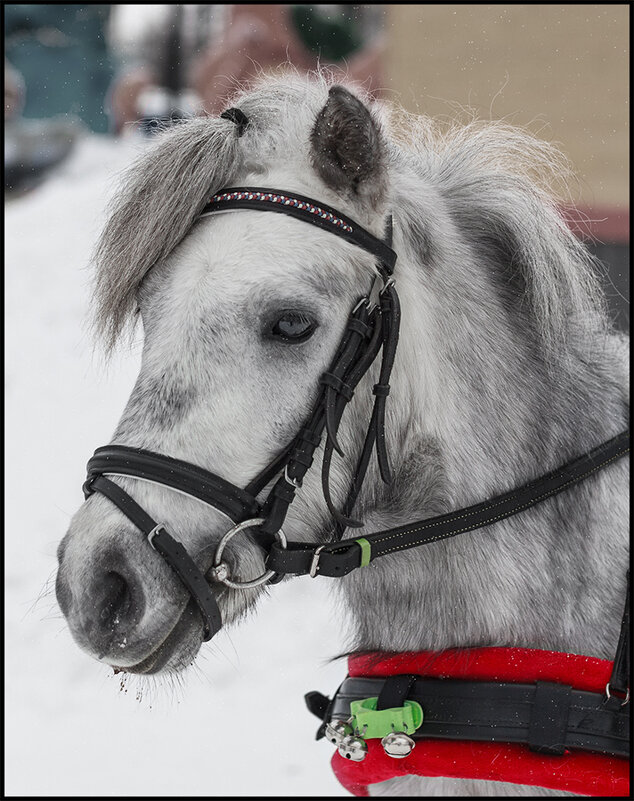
576,772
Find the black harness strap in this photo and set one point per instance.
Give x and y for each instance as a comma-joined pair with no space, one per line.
549,716
339,558
236,503
171,550
306,209
395,691
358,349
620,678
375,436
546,717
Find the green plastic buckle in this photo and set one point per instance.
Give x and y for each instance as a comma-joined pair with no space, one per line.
371,722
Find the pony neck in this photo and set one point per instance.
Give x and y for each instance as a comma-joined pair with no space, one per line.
478,408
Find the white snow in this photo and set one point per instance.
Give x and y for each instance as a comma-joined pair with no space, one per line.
236,724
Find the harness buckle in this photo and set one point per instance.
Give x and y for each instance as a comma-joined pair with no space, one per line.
292,481
159,527
608,695
363,301
314,565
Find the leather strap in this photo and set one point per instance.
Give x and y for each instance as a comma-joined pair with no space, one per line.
170,549
539,716
306,209
620,678
548,722
236,503
395,691
358,349
339,558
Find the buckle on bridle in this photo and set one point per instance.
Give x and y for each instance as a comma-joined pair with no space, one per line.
608,695
314,565
154,532
363,301
292,481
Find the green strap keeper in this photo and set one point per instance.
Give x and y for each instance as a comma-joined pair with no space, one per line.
366,550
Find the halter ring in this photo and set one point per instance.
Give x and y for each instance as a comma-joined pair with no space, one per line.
220,570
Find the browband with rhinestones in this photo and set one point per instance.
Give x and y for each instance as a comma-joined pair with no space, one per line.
308,210
286,200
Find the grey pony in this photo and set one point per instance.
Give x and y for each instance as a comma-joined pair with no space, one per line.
507,367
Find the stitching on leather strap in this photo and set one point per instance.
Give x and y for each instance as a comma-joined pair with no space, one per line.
492,519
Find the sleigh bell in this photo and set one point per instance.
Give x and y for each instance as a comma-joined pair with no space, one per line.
337,731
398,745
353,747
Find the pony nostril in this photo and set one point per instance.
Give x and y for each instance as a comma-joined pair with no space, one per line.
116,600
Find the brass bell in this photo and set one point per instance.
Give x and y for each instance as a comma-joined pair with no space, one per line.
353,747
398,745
337,730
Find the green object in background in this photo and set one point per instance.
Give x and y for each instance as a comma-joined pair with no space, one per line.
62,55
371,722
333,37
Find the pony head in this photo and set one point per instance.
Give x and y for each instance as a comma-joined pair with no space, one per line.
242,311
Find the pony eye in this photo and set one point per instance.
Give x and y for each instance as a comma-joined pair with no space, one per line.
293,326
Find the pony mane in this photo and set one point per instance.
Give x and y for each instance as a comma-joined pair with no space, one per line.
502,186
509,197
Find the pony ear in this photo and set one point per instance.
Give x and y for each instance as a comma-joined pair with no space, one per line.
348,151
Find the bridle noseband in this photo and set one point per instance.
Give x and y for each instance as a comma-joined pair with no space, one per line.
372,327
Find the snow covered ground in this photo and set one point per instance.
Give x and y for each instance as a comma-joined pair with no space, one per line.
236,724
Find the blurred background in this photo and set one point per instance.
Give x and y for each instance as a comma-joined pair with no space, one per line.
87,87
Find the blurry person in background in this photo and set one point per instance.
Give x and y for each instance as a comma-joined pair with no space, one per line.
196,56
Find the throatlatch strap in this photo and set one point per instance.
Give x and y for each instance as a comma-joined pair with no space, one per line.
169,548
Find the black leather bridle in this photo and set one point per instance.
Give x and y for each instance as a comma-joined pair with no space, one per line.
373,327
